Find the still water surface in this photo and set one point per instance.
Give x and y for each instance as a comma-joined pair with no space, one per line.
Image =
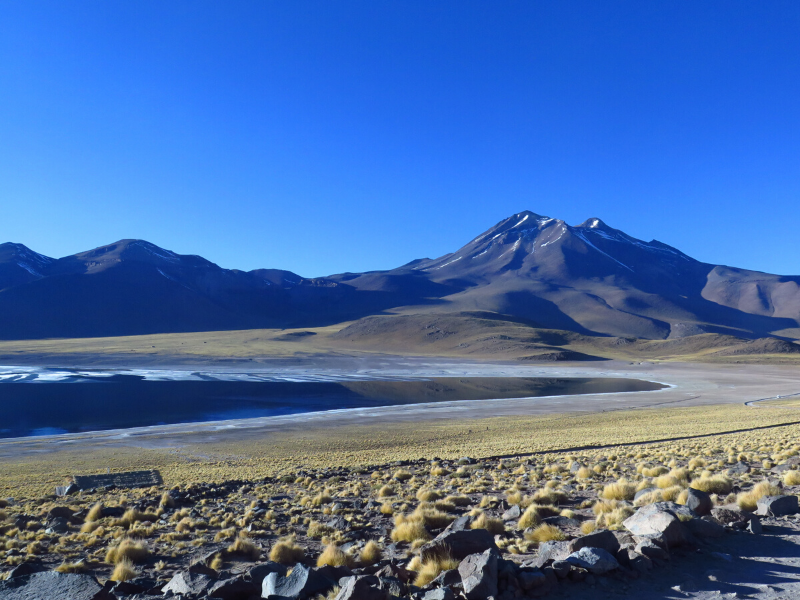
121,401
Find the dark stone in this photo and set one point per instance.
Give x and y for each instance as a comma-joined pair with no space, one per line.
529,579
363,587
458,544
594,560
699,502
561,568
52,585
738,469
705,528
63,512
237,588
187,583
513,513
57,525
550,551
657,524
26,568
479,575
444,593
445,578
724,516
395,587
259,572
776,506
300,584
600,539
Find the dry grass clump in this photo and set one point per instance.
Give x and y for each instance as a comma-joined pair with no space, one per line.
317,530
370,554
430,569
491,524
129,549
458,500
71,567
386,491
402,475
712,484
791,478
387,508
546,533
245,548
123,571
334,556
549,496
749,500
620,490
584,473
133,516
95,513
428,495
287,552
409,529
432,517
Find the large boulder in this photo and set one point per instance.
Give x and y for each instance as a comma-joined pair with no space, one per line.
52,585
705,528
189,584
236,588
658,524
699,502
729,516
479,575
550,551
363,587
303,582
259,572
776,506
594,560
600,539
458,544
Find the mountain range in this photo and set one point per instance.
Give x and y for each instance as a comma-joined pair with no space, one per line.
589,278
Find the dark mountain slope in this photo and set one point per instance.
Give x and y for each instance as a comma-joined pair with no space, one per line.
591,279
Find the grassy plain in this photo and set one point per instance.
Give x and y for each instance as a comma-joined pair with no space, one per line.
30,468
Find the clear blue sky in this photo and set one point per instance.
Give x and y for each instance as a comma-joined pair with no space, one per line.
329,136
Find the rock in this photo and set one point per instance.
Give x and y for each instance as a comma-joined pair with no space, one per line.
459,524
395,587
699,502
647,547
670,507
776,506
738,469
301,583
52,585
446,578
754,525
138,585
594,560
549,551
187,583
67,490
725,516
561,522
659,524
600,539
362,587
513,513
479,575
530,580
395,570
26,568
57,525
561,568
704,528
638,562
62,512
236,588
444,593
459,544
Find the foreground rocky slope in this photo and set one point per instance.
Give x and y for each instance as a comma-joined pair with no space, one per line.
641,519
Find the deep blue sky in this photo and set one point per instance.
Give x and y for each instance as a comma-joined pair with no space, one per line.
329,136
